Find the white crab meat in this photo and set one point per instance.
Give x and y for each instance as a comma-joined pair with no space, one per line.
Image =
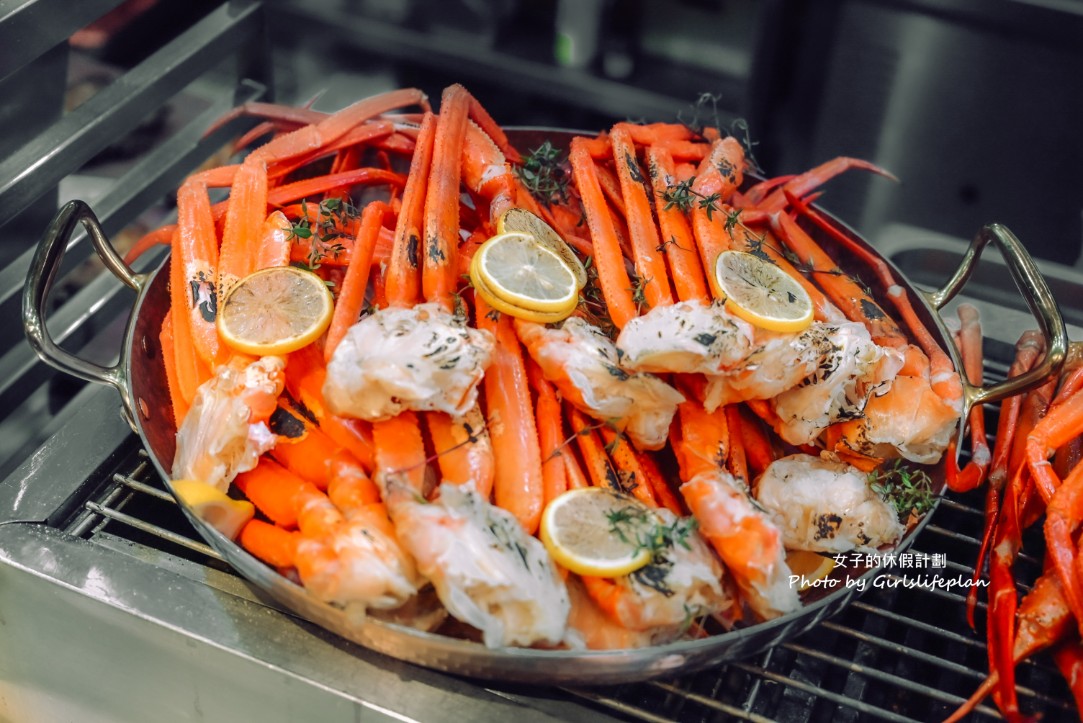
422,359
746,538
691,337
223,433
853,368
826,506
584,365
487,571
682,582
778,361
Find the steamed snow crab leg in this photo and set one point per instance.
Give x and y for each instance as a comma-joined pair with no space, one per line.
649,261
169,361
968,339
195,253
463,449
1027,349
441,234
403,286
608,257
344,547
247,211
898,297
720,175
352,297
846,293
550,434
1064,499
400,451
704,444
802,184
686,271
191,370
1044,618
518,485
749,544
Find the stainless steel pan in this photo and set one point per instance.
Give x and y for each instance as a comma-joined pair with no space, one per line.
140,380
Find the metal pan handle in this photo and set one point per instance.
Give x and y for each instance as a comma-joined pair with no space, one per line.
1034,289
39,282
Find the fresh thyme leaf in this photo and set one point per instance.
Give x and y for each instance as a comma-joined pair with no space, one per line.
323,232
543,173
679,195
638,526
639,292
910,491
733,219
704,114
682,196
710,203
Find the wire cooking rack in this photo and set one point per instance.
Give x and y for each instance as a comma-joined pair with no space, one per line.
900,652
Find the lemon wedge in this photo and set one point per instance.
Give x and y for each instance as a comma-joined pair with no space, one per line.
595,531
761,293
485,292
523,272
275,311
523,221
493,268
216,508
810,566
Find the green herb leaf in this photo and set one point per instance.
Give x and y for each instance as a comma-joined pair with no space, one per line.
910,491
544,175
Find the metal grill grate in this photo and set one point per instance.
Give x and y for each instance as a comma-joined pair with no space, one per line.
896,654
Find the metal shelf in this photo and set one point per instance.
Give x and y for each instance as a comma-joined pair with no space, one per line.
29,28
656,93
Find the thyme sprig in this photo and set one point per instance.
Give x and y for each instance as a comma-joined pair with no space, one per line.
910,491
640,527
544,175
682,196
323,230
705,114
639,292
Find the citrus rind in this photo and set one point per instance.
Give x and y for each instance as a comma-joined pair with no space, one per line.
524,221
761,293
523,272
810,566
216,508
578,530
487,295
275,311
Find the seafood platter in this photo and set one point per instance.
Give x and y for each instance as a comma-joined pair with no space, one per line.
576,407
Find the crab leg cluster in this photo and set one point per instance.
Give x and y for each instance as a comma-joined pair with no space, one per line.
419,440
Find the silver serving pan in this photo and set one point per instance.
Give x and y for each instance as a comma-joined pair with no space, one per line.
140,380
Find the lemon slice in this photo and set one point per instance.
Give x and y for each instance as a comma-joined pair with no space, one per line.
522,271
523,221
275,311
482,289
810,565
594,531
216,508
761,293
